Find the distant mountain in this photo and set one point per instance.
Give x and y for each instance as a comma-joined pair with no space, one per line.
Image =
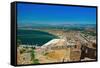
57,26
31,25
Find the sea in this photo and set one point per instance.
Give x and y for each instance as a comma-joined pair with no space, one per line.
33,37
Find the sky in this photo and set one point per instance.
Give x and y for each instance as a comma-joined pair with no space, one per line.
55,14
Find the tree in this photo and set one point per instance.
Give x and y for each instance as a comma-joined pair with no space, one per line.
32,55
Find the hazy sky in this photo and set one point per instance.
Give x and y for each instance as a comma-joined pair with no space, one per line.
50,14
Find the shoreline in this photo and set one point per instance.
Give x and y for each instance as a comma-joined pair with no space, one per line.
53,36
23,45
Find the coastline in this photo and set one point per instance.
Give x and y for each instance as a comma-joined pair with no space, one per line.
34,37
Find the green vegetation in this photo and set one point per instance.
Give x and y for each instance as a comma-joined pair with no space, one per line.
32,48
46,53
22,51
35,61
32,55
92,33
89,33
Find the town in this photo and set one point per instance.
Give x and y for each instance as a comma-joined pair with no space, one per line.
69,47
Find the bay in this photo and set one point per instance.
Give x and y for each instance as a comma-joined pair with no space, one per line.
33,37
